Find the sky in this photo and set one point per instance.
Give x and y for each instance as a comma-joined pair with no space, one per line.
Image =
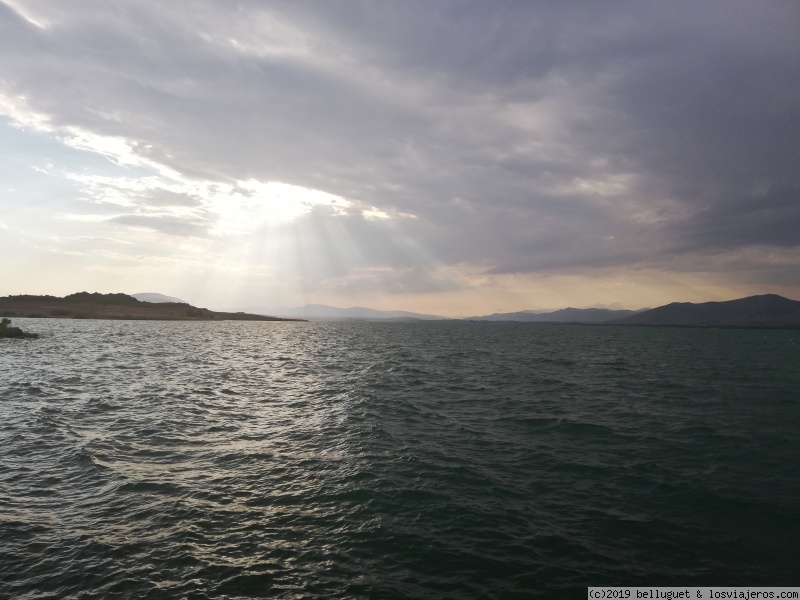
455,157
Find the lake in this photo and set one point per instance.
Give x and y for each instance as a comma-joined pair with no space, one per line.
394,460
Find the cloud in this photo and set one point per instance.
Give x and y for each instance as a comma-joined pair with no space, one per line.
168,224
519,137
764,217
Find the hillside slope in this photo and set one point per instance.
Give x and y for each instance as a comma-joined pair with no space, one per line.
768,310
84,305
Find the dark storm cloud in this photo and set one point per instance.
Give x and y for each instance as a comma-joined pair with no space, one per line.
524,136
768,218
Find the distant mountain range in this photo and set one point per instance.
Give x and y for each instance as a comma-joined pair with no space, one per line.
325,312
768,310
157,298
565,315
756,311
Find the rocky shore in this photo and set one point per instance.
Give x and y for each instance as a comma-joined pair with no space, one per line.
7,331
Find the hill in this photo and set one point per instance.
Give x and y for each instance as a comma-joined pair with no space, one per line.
768,310
84,305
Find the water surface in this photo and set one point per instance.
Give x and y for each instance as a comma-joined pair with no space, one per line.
394,460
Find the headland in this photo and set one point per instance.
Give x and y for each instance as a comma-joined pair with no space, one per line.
85,305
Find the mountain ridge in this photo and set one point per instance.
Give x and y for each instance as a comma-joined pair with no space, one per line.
325,311
563,315
156,298
765,310
85,305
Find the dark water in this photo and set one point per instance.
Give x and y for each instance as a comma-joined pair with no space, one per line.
381,460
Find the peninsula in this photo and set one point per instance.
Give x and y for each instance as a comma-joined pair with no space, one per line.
84,305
